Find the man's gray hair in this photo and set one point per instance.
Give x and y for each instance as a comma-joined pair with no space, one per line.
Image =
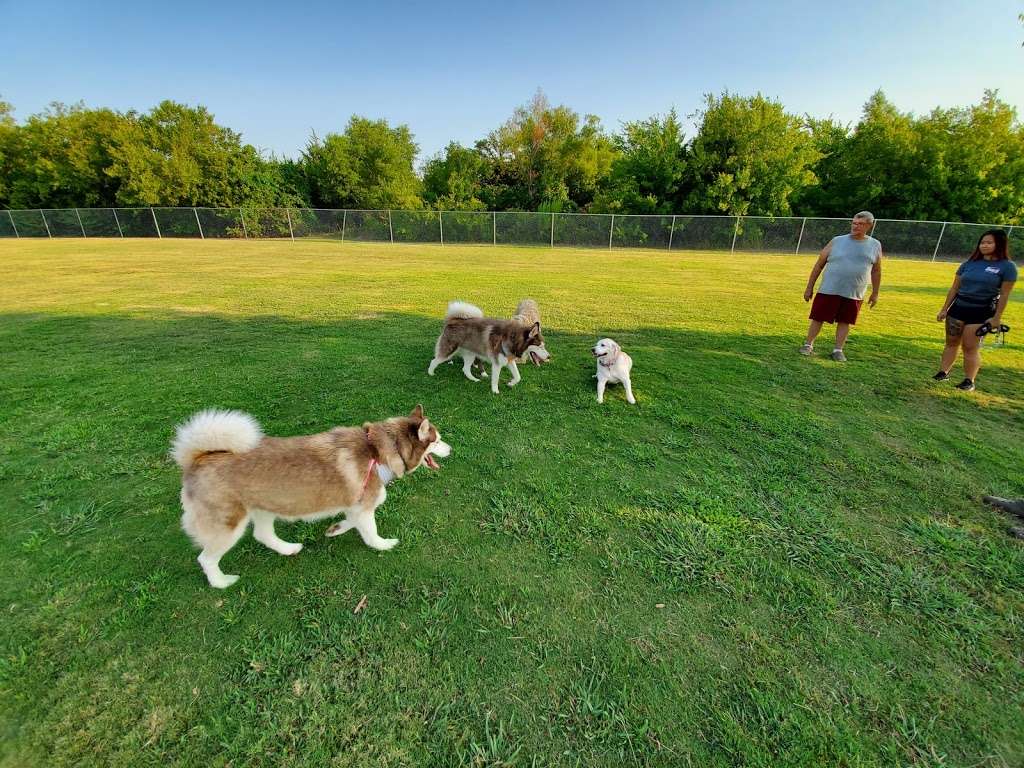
865,215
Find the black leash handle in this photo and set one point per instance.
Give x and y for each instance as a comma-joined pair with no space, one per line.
987,328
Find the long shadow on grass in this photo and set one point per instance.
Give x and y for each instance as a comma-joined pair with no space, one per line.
787,512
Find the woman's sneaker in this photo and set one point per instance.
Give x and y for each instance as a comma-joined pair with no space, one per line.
807,349
941,376
838,356
966,385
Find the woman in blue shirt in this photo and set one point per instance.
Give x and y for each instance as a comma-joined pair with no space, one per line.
978,295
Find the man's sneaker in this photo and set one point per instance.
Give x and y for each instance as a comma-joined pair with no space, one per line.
838,356
966,385
941,376
807,349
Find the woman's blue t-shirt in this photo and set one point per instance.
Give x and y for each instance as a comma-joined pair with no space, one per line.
981,281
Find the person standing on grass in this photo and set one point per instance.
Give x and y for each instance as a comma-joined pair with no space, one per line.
850,260
980,291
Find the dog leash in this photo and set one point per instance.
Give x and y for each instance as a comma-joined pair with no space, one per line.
986,328
1000,332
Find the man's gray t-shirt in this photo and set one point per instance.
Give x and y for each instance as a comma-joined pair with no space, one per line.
849,266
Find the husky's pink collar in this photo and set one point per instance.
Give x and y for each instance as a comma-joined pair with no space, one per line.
372,465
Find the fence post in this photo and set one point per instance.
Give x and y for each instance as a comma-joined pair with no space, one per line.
291,232
552,229
801,238
440,226
671,233
156,223
735,231
80,222
391,229
245,231
11,217
118,222
198,223
611,231
494,227
939,241
45,224
344,220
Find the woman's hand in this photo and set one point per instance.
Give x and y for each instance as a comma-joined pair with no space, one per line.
941,316
808,293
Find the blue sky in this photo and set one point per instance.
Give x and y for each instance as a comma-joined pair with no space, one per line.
454,71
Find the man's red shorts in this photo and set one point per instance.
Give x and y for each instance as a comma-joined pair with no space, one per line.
829,308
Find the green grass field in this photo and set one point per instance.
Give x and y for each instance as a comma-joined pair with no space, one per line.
769,561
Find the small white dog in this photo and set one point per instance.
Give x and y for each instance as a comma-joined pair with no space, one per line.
613,367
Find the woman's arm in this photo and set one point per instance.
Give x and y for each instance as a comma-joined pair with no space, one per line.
954,289
1004,296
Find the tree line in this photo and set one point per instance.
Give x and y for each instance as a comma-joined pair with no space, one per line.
748,156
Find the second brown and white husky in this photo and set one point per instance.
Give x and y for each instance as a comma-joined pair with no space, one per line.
501,342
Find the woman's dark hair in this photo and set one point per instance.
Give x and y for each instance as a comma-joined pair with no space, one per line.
1002,245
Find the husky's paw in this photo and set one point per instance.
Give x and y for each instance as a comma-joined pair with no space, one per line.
383,545
289,549
223,581
511,383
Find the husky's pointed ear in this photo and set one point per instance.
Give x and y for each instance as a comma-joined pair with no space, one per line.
424,432
535,328
417,412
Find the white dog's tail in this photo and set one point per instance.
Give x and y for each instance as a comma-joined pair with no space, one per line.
214,430
462,310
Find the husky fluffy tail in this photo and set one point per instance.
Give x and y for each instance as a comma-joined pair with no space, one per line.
214,430
462,310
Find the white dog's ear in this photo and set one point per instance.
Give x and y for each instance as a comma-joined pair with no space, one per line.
424,432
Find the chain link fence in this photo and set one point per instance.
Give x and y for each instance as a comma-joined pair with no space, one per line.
758,234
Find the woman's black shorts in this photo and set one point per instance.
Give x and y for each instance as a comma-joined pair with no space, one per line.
971,314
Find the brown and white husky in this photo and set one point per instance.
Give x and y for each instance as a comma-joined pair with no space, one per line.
501,342
232,473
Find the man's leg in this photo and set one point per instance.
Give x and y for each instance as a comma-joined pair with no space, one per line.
842,331
813,331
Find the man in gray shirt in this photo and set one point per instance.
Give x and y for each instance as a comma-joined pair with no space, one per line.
850,260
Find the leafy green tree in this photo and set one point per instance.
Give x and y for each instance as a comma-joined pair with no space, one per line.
453,180
545,156
648,172
178,155
61,158
8,150
960,164
273,183
749,157
370,165
975,163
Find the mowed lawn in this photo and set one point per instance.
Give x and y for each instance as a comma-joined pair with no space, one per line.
768,561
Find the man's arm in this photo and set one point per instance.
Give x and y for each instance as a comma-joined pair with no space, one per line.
876,280
816,270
